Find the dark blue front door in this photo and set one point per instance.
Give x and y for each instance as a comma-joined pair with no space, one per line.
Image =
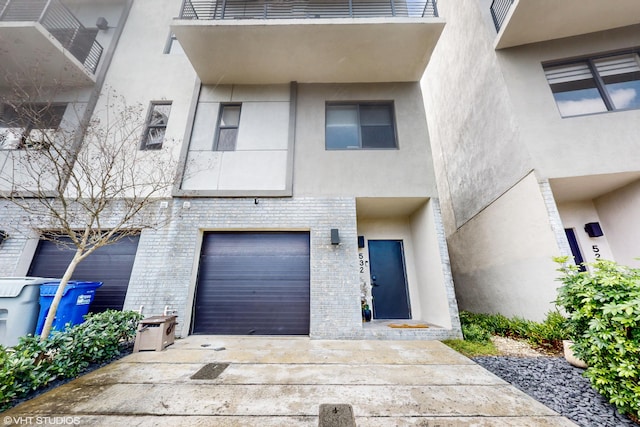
388,280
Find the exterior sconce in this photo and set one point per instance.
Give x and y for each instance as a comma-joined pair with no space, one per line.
3,236
335,236
593,229
102,23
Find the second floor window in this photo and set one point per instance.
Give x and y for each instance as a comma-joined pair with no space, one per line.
596,85
156,126
228,124
360,126
29,126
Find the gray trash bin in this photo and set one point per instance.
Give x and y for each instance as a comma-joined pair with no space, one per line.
19,307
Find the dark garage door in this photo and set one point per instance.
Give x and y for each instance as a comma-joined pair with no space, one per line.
253,283
109,264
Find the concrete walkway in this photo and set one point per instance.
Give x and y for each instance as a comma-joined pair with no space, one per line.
273,381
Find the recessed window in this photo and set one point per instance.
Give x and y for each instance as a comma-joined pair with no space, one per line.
156,126
595,85
227,130
29,126
360,126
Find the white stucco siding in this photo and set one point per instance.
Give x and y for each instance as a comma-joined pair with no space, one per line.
264,126
405,171
572,146
619,212
502,259
575,215
476,138
140,71
253,170
431,270
259,161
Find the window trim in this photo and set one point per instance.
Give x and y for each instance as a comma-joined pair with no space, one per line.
219,127
358,104
144,146
600,85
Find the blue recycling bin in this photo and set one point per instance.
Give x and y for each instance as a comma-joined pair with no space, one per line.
73,306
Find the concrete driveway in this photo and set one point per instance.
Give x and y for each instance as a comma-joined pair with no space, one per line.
273,381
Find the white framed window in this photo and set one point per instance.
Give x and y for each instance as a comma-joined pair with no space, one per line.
156,125
227,128
360,126
595,85
29,126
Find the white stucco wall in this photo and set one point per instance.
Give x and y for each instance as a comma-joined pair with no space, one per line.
260,160
140,72
474,136
619,212
432,295
502,259
405,171
571,146
424,267
575,215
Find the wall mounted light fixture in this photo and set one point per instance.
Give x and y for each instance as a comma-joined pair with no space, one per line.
593,229
3,236
102,23
335,236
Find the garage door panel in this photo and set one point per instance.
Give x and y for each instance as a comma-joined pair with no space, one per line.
253,283
111,264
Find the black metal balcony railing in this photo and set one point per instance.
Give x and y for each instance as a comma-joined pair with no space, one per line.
290,9
499,10
61,24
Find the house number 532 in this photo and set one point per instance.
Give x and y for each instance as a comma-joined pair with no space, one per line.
596,251
362,262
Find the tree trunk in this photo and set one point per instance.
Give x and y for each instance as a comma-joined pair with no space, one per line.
46,329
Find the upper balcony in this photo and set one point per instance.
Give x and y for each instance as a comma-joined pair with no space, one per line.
520,22
309,41
42,41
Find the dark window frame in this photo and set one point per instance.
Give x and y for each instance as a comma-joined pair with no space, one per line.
151,127
598,81
50,118
220,127
360,125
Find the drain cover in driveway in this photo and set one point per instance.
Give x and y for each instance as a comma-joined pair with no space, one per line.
210,371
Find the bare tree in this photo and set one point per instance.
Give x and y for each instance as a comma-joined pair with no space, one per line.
91,183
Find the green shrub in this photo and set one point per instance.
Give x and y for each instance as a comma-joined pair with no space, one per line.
33,364
603,305
498,324
547,335
475,333
550,333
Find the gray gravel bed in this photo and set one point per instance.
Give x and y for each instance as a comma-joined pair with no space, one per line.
555,383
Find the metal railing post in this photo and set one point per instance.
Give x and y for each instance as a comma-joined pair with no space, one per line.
393,7
3,8
44,11
350,8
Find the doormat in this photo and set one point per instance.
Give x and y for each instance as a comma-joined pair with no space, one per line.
210,371
407,326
